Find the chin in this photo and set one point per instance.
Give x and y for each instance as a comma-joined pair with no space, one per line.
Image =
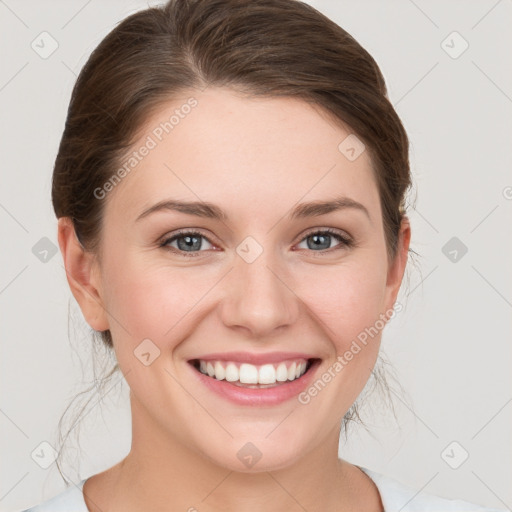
255,454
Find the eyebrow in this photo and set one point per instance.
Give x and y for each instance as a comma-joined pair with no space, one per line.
211,211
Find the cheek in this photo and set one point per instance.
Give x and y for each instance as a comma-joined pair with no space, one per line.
347,303
155,301
346,299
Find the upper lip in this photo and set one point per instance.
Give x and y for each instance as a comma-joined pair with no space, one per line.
254,358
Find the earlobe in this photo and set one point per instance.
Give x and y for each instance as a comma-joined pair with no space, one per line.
82,275
397,268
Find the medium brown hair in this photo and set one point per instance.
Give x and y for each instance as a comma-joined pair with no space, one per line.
265,48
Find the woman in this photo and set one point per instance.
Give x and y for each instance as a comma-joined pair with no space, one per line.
230,189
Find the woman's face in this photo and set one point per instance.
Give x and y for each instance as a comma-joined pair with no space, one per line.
257,290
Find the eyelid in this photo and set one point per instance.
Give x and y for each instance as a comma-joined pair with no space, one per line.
330,231
182,232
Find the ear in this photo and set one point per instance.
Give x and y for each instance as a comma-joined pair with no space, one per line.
397,266
82,272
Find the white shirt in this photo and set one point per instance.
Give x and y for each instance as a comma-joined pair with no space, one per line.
395,496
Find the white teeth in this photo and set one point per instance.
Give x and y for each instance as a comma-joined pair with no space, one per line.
282,373
267,374
250,374
232,374
291,371
220,373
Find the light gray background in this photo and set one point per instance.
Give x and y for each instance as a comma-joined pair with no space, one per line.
451,346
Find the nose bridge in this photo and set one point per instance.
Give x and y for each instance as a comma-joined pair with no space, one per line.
258,298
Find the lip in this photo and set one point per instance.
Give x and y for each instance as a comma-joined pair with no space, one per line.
257,396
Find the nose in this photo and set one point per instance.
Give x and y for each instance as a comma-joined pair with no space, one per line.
259,298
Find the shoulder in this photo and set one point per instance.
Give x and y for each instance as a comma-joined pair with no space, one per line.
397,497
69,500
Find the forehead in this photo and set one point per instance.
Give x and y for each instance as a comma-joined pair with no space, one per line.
248,154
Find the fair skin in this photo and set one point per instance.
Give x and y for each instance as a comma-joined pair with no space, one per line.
256,159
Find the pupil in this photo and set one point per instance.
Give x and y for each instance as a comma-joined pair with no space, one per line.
319,242
190,243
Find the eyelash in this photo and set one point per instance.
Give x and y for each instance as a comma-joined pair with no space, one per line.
344,241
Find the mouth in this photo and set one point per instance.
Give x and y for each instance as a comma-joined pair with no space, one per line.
254,376
255,379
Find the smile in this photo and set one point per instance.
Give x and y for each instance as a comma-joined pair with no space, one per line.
250,375
255,379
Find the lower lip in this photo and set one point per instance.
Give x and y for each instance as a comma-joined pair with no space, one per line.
258,396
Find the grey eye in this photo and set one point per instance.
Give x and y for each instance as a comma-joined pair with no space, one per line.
321,241
187,242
